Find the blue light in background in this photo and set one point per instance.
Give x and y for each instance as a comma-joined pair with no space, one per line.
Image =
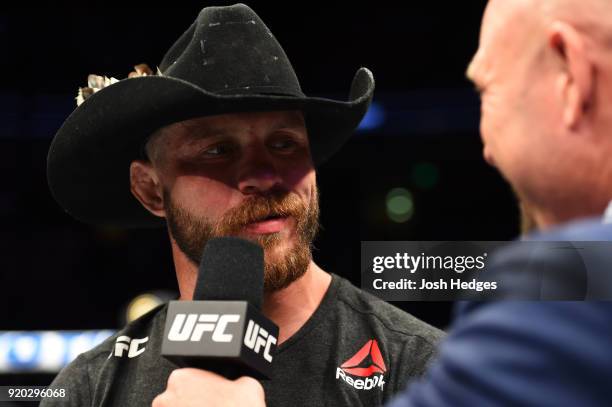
374,118
45,351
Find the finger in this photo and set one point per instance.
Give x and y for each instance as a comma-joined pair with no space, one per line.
251,386
161,400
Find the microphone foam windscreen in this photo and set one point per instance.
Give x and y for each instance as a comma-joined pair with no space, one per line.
232,269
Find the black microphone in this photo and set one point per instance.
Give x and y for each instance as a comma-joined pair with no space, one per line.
231,269
222,329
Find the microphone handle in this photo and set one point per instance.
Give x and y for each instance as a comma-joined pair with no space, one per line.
229,369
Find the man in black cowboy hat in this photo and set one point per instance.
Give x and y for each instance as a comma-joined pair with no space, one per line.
222,142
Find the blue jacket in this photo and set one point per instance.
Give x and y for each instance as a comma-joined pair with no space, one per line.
525,353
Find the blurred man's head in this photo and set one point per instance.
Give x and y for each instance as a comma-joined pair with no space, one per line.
243,174
544,69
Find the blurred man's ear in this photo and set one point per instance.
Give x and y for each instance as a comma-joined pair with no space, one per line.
575,83
146,187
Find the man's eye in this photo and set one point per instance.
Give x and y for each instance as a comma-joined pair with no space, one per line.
284,145
217,150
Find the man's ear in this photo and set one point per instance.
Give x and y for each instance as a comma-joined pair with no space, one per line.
575,84
146,187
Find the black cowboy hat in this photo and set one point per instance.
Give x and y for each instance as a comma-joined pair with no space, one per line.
227,61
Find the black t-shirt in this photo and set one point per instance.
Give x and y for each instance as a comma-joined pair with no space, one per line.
354,350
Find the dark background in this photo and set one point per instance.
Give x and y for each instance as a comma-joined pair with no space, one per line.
61,274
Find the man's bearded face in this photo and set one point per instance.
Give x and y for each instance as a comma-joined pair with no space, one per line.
191,232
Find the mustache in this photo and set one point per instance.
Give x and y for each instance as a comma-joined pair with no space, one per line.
258,208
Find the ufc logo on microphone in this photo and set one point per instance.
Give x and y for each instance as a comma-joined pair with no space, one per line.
256,337
192,326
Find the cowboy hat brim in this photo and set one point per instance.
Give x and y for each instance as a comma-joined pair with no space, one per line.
89,158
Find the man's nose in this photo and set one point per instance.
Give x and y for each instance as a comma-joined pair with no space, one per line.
258,173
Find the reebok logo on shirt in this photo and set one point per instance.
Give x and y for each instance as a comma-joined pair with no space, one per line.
367,364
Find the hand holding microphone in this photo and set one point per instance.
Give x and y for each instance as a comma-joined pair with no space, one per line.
222,330
190,387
